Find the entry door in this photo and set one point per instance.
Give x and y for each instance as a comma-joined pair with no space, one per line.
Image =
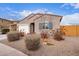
32,28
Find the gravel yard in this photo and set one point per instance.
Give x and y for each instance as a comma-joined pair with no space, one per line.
67,47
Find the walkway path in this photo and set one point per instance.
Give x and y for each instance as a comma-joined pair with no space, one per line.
9,51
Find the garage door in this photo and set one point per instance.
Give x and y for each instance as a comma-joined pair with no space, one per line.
24,28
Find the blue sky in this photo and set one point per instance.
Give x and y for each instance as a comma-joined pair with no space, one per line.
17,11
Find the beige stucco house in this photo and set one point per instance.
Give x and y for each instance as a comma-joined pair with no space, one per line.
8,24
36,23
4,23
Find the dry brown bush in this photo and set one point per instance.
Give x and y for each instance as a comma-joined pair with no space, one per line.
13,36
58,36
32,41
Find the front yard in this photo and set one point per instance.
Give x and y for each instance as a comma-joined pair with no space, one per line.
67,47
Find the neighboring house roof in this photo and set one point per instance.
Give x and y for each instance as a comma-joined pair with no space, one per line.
10,21
5,20
40,15
6,23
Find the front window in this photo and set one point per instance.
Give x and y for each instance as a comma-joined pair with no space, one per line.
45,25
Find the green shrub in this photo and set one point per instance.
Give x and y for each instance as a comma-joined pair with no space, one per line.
32,42
4,31
58,36
13,36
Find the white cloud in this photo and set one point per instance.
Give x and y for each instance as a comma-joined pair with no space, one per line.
70,19
42,10
11,19
12,14
5,8
25,13
74,5
65,4
8,9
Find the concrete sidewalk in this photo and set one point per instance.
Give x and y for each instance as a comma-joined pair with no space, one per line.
9,51
3,36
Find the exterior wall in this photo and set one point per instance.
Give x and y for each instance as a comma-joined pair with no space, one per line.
28,21
5,23
13,27
71,30
55,20
41,19
23,28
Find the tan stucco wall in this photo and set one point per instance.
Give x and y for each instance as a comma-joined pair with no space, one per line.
51,18
7,24
4,22
54,19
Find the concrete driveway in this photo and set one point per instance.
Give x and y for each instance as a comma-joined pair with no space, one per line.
3,36
9,51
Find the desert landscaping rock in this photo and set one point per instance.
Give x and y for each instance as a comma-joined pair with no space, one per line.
67,47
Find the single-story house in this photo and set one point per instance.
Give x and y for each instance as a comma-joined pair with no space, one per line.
36,23
4,23
13,26
7,24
